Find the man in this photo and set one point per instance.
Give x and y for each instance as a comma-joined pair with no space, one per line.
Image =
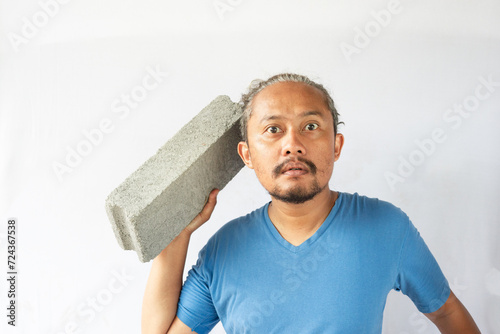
312,260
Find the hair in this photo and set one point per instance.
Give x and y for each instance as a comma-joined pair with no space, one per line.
258,85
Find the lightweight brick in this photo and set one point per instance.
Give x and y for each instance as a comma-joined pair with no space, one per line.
154,204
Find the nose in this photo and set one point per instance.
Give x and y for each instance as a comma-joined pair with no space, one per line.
292,144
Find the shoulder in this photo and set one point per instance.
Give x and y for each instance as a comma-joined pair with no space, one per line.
374,212
233,236
242,223
240,228
364,205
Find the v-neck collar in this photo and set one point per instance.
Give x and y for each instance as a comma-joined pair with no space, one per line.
306,244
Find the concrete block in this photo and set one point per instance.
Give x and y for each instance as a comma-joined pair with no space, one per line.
154,204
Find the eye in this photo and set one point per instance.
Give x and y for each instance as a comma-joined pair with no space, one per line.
273,129
311,126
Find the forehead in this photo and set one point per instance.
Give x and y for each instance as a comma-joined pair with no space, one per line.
288,98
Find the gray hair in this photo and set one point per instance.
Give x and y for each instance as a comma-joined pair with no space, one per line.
258,85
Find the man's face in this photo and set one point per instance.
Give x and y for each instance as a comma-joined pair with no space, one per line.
291,141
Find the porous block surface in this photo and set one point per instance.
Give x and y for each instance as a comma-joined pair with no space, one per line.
154,204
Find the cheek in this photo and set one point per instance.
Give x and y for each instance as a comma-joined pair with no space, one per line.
258,157
325,165
262,154
263,166
326,168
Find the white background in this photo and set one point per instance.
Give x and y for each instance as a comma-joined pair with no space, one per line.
63,77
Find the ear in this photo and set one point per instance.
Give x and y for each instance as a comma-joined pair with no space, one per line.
339,142
244,153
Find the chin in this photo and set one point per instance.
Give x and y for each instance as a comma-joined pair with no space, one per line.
296,195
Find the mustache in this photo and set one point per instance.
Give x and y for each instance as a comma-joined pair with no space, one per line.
310,164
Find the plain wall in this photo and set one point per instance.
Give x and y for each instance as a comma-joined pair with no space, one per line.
68,71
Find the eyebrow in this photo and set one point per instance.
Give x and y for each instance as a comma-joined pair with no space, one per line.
303,114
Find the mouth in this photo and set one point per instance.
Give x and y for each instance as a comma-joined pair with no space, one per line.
294,169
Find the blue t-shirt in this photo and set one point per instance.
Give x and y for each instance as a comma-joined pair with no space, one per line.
337,281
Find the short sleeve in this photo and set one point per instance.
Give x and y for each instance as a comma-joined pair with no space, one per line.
195,307
419,275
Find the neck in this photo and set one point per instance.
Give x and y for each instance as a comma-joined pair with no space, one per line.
298,222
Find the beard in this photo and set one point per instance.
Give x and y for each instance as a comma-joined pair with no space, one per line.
297,194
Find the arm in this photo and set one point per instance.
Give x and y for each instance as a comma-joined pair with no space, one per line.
164,284
453,317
